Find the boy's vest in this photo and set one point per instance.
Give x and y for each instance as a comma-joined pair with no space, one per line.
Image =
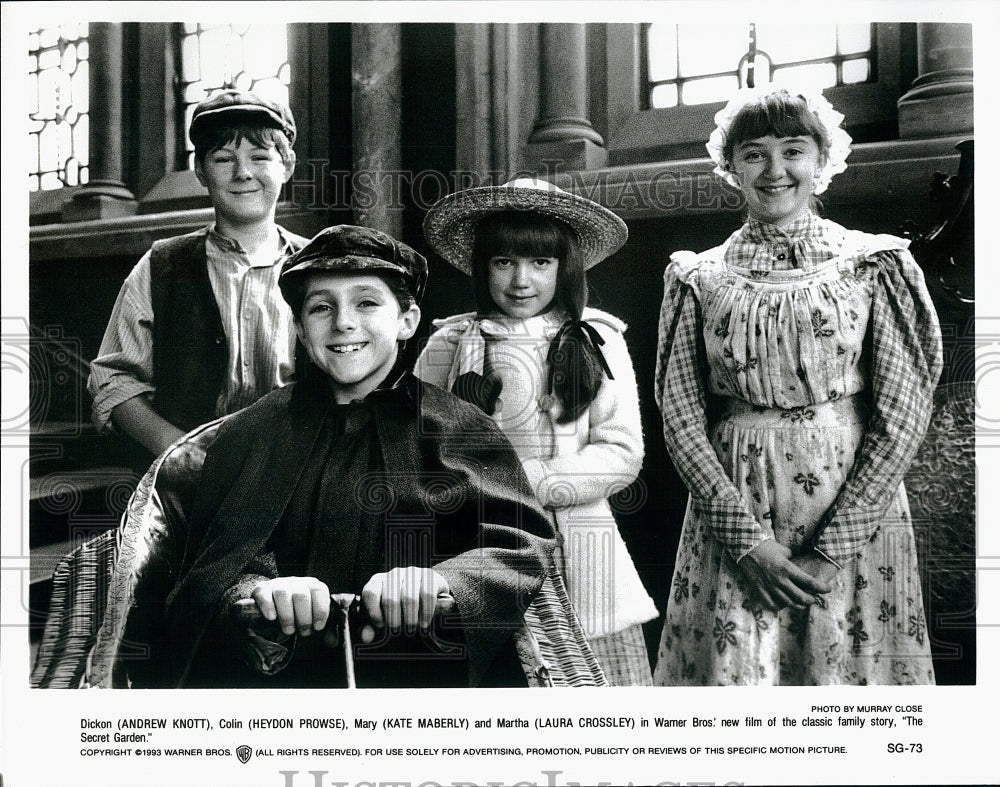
190,353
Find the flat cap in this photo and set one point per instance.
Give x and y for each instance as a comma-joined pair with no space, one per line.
233,101
348,248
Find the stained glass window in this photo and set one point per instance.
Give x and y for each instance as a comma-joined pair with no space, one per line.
59,91
215,57
699,64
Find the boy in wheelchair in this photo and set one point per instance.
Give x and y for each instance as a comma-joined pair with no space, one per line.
355,479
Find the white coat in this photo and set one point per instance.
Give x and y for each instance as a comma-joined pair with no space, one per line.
572,467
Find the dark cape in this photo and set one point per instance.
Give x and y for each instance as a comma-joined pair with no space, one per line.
443,461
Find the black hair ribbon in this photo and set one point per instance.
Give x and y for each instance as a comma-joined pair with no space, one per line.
583,331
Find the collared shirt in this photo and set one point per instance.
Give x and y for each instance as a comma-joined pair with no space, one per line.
257,322
806,243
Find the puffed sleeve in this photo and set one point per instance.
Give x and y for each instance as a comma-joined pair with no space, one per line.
906,366
612,455
681,372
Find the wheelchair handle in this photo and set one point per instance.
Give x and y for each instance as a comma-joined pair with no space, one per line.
246,611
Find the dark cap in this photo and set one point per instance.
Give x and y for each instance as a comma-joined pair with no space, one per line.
232,101
348,248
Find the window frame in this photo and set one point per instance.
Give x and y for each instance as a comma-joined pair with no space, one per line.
48,203
152,137
70,42
644,135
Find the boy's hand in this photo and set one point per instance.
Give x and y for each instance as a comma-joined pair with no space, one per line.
137,418
299,604
403,598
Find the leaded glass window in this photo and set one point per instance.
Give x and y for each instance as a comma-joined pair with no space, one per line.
691,64
59,91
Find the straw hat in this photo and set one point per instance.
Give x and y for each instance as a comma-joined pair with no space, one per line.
451,223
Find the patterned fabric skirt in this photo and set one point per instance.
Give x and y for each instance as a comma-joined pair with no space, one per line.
623,657
870,629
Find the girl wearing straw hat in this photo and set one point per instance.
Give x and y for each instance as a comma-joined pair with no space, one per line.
557,378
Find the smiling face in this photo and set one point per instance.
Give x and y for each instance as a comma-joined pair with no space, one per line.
244,180
776,176
349,325
523,286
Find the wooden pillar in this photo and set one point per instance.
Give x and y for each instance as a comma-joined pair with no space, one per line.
489,98
376,112
939,102
563,135
323,144
105,195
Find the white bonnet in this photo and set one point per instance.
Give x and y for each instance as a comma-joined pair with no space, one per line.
829,118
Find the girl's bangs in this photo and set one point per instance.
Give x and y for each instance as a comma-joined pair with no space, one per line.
775,116
522,235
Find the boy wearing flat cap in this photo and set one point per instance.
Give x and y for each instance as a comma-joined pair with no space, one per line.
199,329
357,479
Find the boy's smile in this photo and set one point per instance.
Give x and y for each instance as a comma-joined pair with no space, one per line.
244,181
350,324
346,348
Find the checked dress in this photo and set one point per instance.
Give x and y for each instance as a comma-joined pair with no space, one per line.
795,375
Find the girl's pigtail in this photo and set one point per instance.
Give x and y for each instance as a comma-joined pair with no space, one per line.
576,363
577,368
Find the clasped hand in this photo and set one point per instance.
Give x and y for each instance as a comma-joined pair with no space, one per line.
401,599
780,580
